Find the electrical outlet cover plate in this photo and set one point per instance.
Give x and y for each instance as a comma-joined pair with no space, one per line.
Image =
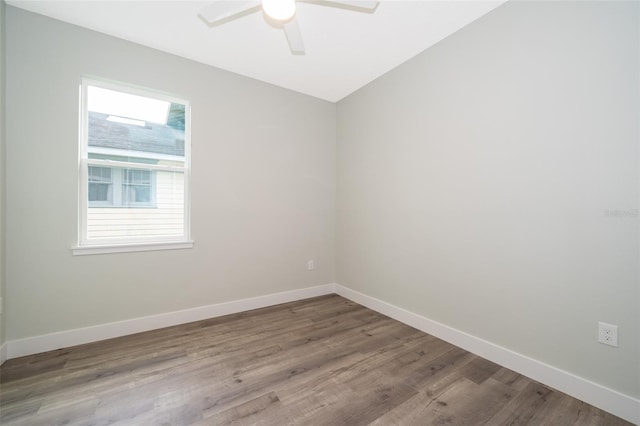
608,334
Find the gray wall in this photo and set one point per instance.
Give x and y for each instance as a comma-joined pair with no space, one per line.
491,184
263,185
2,174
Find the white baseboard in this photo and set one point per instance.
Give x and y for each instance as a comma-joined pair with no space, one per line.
592,393
3,352
63,339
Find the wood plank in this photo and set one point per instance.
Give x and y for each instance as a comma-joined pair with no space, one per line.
263,410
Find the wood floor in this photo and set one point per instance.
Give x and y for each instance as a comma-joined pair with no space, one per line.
321,361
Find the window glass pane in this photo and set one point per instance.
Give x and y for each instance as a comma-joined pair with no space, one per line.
99,174
166,218
100,192
137,186
134,108
129,124
136,194
139,177
100,185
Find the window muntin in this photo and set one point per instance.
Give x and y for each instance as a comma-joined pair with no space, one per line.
134,167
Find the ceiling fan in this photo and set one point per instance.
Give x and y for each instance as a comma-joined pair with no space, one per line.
282,11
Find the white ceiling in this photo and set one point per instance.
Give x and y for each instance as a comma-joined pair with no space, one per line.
345,49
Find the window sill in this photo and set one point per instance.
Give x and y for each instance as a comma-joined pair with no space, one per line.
127,248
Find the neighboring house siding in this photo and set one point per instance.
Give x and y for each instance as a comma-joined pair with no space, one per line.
167,218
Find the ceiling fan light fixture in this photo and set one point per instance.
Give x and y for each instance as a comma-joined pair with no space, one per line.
281,10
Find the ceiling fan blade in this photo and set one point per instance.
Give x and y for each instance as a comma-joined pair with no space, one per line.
358,4
294,37
220,10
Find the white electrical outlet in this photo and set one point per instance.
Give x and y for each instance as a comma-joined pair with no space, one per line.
608,334
310,265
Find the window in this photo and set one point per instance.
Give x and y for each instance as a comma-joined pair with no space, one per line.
137,189
109,187
133,169
100,186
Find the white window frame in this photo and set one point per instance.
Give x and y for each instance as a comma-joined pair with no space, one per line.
129,244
